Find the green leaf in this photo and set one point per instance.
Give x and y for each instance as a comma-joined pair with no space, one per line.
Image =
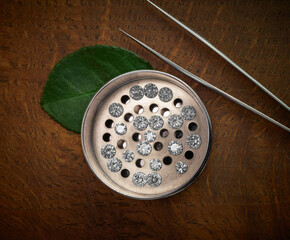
76,78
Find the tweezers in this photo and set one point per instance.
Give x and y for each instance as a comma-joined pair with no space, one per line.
203,82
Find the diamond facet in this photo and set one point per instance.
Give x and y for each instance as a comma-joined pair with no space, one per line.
175,121
116,109
154,179
120,129
140,123
139,179
108,151
155,164
128,156
136,92
150,136
188,112
144,148
175,148
181,167
193,141
165,94
114,165
156,122
150,90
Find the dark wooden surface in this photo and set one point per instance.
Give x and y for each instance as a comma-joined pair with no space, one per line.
47,190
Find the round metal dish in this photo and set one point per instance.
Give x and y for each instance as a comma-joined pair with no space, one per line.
168,132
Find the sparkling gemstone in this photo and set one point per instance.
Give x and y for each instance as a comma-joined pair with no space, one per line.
156,122
165,94
175,148
136,92
150,136
181,167
175,121
155,164
128,156
154,179
139,179
144,148
108,151
193,141
116,109
120,129
188,113
150,90
114,165
140,123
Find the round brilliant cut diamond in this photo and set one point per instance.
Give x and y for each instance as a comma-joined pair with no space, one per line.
139,179
150,90
136,92
128,156
150,136
108,151
175,121
165,94
154,179
116,109
120,129
114,165
156,122
193,141
144,148
155,164
175,148
188,112
140,123
181,167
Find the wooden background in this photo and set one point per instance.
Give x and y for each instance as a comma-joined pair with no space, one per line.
47,190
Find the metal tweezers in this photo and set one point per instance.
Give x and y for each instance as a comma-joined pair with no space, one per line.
203,82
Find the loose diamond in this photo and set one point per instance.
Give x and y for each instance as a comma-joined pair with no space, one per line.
114,165
120,129
165,94
108,151
128,156
188,113
156,122
155,164
116,109
175,121
175,148
150,90
193,141
154,179
181,167
139,179
136,92
140,123
144,148
150,136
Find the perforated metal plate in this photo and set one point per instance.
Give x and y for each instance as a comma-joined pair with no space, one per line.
146,134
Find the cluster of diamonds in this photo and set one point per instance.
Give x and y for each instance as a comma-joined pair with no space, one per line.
153,179
145,147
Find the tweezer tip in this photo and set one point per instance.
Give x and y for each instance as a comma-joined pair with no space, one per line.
151,3
125,33
121,30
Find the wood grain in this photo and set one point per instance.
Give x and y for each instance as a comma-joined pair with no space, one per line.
47,190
